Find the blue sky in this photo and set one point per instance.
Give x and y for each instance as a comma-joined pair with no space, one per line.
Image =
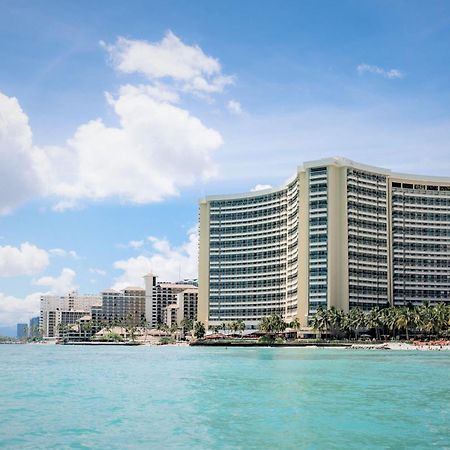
106,145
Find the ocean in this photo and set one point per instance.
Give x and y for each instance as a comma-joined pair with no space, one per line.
113,397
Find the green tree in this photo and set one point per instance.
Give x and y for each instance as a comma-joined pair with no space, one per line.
272,324
334,319
199,330
187,325
374,321
356,320
241,326
319,321
405,318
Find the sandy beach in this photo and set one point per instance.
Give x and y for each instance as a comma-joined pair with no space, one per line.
422,346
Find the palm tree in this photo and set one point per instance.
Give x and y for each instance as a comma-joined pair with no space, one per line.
440,315
265,324
405,317
199,330
374,320
296,325
187,325
389,319
357,320
215,328
86,329
241,326
233,326
334,319
426,317
319,321
224,326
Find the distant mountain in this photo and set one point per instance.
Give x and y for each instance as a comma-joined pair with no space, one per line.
8,331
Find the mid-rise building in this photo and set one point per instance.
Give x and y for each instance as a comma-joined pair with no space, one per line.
185,308
338,233
22,331
126,306
57,312
160,295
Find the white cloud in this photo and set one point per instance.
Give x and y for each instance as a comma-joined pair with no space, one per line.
26,260
60,285
97,271
16,310
170,58
60,252
391,74
132,244
169,263
157,148
234,107
260,187
136,244
18,177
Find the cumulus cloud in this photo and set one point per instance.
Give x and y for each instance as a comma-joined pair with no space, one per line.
391,74
60,285
170,58
260,187
25,260
18,177
234,107
157,147
16,310
169,263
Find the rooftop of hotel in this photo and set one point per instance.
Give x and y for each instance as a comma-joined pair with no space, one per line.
338,161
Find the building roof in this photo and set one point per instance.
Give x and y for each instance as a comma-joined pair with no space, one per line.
190,290
176,285
338,161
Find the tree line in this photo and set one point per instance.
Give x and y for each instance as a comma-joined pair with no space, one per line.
390,321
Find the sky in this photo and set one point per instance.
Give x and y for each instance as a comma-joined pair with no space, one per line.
117,117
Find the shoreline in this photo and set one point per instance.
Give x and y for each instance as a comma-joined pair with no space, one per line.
394,346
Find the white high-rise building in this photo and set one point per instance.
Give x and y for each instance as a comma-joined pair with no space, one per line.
338,233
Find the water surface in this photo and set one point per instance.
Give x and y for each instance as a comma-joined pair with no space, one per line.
64,397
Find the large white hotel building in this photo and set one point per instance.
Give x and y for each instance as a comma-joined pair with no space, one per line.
338,233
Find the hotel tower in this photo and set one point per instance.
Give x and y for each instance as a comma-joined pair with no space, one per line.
338,233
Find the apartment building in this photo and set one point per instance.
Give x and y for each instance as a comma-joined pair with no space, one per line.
65,310
160,295
338,233
123,306
185,308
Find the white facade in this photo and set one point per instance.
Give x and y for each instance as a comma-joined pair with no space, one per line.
160,295
186,307
55,310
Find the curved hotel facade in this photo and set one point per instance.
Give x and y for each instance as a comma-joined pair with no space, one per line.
337,234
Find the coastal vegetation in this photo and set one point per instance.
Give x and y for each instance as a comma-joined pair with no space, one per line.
390,322
426,322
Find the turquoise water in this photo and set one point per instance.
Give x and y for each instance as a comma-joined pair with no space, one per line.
62,397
